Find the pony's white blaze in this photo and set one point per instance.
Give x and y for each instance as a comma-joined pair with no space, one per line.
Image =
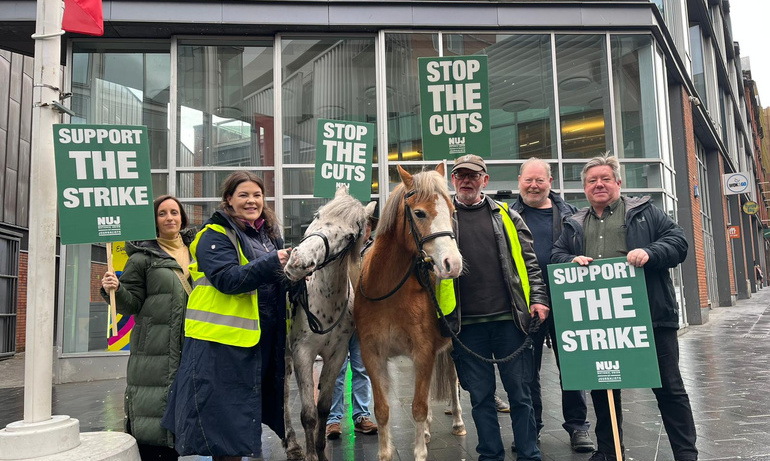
446,256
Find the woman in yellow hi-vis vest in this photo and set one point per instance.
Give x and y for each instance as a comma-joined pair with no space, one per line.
231,374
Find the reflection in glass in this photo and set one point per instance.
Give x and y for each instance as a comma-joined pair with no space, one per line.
298,214
330,78
633,82
641,175
225,110
584,99
198,212
126,87
698,66
521,96
403,93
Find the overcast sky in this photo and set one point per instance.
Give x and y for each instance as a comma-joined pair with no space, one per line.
750,19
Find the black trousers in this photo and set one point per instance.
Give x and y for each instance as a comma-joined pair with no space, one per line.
673,403
573,403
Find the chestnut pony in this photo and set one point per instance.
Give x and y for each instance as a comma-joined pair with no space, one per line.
395,315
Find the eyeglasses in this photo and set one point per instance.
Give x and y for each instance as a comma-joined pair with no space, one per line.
471,176
538,181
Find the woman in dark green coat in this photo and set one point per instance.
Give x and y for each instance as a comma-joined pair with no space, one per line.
154,287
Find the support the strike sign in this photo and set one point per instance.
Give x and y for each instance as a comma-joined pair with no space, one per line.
344,152
104,187
454,106
603,326
603,329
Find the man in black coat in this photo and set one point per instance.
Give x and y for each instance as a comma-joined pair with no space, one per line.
544,213
614,226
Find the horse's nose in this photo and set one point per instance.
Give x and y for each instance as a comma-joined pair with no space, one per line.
451,267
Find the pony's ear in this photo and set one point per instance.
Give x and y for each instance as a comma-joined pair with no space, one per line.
370,207
406,178
440,168
342,190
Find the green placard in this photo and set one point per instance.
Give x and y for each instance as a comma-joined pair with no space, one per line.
344,157
603,326
104,183
454,107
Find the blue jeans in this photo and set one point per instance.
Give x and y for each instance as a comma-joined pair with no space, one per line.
498,340
361,387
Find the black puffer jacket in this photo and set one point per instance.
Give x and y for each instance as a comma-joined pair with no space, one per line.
648,228
151,292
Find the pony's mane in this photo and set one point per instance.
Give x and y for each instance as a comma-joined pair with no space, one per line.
426,184
344,208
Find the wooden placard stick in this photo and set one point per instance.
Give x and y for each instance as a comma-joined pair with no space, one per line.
615,434
113,310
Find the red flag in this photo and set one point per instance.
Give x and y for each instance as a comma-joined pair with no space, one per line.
83,17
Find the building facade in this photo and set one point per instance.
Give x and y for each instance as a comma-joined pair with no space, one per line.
240,85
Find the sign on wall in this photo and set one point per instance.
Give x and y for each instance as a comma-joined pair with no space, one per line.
344,153
104,183
736,183
454,107
751,207
734,232
603,326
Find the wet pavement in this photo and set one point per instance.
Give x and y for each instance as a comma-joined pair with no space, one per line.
725,365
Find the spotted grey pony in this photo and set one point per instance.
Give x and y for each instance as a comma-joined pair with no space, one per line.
323,323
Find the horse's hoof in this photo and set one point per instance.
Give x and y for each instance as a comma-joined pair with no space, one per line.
427,437
295,454
459,430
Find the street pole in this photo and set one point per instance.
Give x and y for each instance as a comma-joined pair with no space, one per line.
40,434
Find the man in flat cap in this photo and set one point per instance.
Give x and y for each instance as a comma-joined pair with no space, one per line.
499,292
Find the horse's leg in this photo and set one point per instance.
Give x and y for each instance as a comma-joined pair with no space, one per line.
326,382
377,367
423,371
303,368
458,425
290,445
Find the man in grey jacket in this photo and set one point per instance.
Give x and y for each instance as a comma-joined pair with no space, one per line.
632,227
499,292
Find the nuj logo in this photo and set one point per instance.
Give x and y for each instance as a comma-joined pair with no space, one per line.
108,220
607,365
457,141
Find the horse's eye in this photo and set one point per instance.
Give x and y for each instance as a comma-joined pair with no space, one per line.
419,213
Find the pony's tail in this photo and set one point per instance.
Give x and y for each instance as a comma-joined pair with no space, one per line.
444,375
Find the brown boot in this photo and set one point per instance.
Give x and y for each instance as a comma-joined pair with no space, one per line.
333,431
365,426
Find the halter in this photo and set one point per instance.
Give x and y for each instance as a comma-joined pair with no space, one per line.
298,290
330,259
421,260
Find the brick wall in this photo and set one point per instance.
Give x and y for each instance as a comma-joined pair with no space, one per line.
695,209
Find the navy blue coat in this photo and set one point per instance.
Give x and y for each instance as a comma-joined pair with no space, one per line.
648,228
223,394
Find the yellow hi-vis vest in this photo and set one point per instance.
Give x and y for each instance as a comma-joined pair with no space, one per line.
214,316
445,293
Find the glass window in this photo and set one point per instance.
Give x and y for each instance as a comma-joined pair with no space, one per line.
634,87
403,93
641,175
521,96
225,106
330,78
121,84
126,86
584,97
698,72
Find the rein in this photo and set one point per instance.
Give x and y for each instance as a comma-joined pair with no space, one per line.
423,276
298,290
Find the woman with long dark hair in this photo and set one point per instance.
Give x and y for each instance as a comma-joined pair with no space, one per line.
231,377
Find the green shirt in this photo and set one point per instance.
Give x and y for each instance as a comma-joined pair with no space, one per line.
605,236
